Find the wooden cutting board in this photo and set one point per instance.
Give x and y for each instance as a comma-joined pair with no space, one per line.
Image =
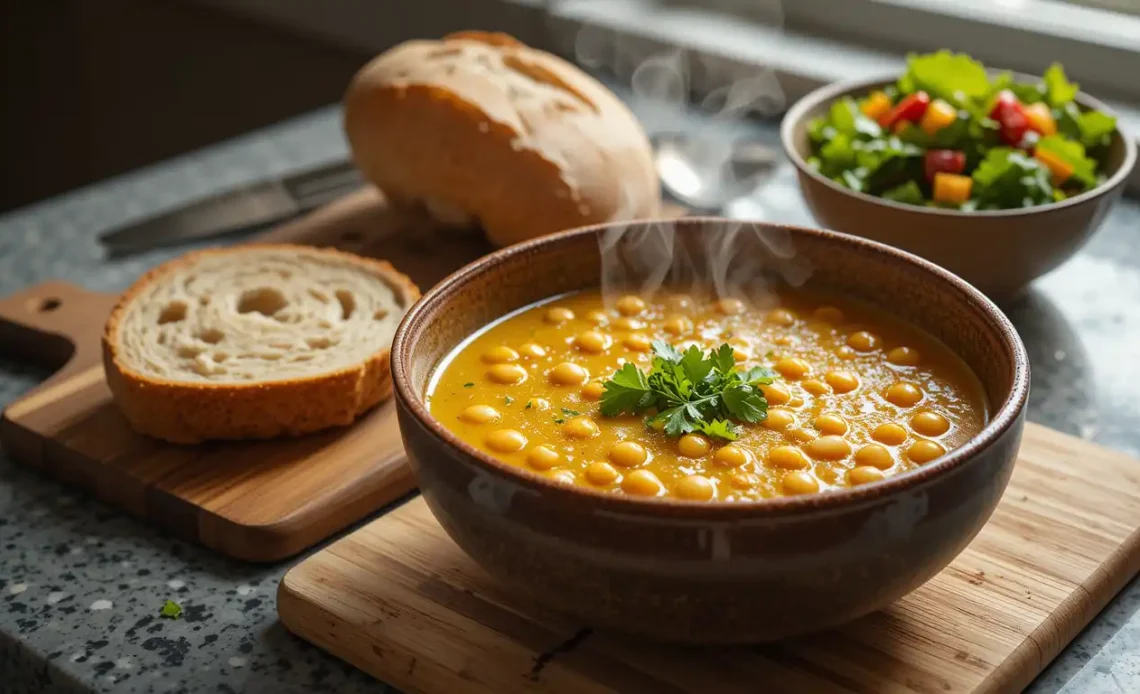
399,600
258,501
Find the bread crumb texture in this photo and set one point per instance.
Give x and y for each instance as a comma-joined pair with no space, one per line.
254,342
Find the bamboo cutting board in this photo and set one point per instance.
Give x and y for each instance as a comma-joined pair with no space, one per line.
399,600
258,501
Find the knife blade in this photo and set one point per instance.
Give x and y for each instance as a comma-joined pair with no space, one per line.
249,206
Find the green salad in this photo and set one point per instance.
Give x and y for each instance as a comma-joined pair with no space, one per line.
949,135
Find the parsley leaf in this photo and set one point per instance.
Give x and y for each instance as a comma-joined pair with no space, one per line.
745,402
171,610
719,428
759,375
723,359
469,385
690,391
508,400
627,391
695,366
675,420
666,351
569,412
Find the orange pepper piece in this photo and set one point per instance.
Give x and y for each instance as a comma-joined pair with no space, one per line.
953,188
1041,119
1059,168
876,105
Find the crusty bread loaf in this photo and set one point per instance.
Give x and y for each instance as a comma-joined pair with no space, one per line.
483,128
254,342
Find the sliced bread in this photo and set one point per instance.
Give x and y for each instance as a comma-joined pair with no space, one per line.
254,342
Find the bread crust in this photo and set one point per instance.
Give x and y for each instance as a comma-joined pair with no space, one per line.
187,412
516,138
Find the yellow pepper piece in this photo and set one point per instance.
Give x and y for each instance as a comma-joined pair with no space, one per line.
952,188
1059,168
938,115
876,105
1041,119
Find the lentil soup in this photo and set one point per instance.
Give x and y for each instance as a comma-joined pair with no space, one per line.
856,395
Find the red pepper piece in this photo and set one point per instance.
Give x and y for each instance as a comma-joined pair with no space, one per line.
1005,99
1010,116
944,160
909,109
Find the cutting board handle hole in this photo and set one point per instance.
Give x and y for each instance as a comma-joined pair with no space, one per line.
45,304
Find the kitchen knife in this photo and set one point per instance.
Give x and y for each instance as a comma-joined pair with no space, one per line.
252,205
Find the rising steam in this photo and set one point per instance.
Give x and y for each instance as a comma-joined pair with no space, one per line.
738,259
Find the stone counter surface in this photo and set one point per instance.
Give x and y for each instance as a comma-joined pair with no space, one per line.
81,584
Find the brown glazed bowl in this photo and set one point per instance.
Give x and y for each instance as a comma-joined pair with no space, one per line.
703,572
1000,252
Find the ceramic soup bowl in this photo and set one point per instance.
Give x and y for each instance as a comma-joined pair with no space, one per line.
709,572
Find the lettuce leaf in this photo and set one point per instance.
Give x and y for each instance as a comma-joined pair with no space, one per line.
888,163
1095,128
1058,89
836,155
1073,154
1007,178
1025,93
955,77
842,115
871,155
1029,93
846,117
819,131
908,193
856,152
853,179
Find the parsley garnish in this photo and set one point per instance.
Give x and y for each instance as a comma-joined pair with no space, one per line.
691,391
559,420
468,385
508,399
171,610
528,404
569,412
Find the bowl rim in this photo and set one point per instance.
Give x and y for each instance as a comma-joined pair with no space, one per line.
1007,414
831,92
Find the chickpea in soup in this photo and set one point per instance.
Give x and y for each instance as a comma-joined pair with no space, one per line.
808,395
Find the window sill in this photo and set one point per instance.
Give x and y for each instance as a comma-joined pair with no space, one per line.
730,47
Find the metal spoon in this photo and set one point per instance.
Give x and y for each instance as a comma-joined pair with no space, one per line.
706,174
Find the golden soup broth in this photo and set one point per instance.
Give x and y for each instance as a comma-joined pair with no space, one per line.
859,396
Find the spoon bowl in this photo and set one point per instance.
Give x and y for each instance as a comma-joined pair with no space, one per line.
706,174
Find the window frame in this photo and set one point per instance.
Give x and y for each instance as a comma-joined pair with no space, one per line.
1099,48
804,45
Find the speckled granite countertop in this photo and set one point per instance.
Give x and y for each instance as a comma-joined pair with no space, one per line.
81,584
